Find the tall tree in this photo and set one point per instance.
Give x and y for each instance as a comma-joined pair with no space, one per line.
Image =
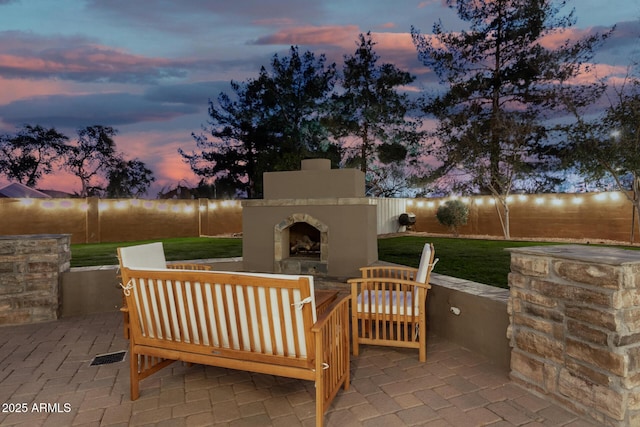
373,112
91,156
298,90
31,153
238,153
608,146
128,178
503,82
271,123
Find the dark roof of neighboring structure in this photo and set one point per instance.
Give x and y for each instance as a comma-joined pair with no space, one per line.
20,191
56,194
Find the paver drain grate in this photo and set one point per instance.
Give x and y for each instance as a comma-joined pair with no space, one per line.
105,359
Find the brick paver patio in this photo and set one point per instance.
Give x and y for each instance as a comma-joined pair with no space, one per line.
46,379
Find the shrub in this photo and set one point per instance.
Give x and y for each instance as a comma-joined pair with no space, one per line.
453,214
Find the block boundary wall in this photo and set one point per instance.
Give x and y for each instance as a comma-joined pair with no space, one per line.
589,217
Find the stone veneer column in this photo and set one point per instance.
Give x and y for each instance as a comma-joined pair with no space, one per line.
30,270
575,328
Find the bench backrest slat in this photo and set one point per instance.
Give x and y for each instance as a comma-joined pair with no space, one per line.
215,310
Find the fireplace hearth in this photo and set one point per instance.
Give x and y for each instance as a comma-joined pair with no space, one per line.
312,221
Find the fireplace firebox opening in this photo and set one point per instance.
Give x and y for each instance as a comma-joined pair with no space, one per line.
304,240
301,244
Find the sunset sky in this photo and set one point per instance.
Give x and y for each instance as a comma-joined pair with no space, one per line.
148,68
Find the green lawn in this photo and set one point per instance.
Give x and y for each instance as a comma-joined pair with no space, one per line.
483,261
177,249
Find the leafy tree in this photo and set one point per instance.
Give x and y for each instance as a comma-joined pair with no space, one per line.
298,89
271,123
609,145
388,180
91,156
503,84
371,110
239,150
31,153
128,178
453,214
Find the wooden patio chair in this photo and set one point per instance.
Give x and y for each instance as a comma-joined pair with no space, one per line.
388,305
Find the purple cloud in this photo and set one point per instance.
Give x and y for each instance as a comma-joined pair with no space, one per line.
113,109
26,55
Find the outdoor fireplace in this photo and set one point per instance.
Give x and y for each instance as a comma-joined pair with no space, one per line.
312,221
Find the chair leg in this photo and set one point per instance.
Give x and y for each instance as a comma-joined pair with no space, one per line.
354,335
134,378
422,338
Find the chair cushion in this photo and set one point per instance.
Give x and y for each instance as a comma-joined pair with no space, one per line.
387,302
150,255
425,261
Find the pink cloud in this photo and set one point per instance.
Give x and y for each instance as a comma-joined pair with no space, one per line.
556,39
159,151
60,181
312,35
394,41
428,3
13,89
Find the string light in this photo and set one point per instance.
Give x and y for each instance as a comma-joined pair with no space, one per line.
105,205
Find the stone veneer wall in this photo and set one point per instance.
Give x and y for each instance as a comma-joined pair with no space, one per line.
575,328
30,271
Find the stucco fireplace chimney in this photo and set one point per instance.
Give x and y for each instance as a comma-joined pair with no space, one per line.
312,221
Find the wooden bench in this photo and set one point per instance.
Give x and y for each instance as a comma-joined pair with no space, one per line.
262,323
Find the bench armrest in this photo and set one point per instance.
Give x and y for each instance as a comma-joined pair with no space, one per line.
332,347
332,313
